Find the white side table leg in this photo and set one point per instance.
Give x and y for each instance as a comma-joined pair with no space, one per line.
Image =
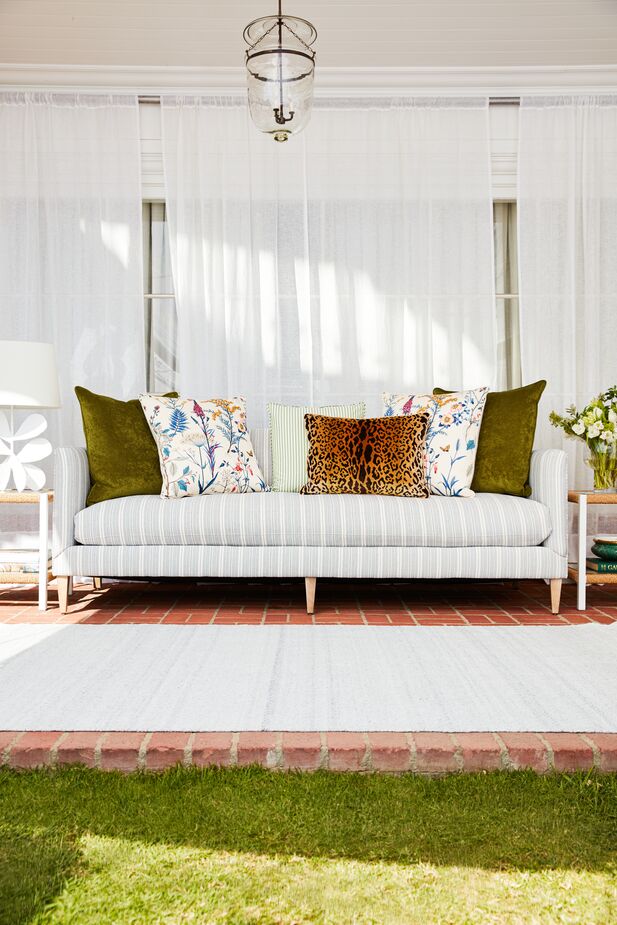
43,548
582,553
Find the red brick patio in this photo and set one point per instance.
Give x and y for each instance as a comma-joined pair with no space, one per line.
427,753
338,602
408,603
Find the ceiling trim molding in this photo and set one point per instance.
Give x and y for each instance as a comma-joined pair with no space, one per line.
454,81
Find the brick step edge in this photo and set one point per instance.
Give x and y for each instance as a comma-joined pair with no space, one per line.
429,753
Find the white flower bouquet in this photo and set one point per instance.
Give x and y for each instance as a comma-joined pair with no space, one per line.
596,426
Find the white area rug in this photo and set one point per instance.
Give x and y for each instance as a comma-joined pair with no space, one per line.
308,678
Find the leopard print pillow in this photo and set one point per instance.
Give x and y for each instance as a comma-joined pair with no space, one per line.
374,456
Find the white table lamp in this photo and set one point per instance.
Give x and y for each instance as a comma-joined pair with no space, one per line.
28,379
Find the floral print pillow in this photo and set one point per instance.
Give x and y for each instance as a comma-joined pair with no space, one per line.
204,446
452,436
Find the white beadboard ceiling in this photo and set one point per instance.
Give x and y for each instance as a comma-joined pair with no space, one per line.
352,33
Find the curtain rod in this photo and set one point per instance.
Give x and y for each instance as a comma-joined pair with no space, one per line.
493,100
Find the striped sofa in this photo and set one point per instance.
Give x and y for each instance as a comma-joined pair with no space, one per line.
285,535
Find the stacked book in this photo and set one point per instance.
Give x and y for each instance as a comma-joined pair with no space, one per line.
601,565
605,548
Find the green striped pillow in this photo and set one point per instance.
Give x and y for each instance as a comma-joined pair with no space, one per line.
289,442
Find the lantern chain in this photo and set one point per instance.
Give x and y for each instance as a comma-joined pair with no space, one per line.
301,40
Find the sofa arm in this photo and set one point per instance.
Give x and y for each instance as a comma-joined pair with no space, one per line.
71,486
548,478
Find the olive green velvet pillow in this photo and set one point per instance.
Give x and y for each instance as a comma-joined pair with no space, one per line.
122,454
506,440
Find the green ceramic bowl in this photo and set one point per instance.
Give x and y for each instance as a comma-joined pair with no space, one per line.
606,551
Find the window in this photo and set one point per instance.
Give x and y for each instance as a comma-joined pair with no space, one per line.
506,289
160,304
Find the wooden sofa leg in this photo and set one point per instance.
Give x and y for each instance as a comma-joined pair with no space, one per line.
97,583
64,589
311,584
555,594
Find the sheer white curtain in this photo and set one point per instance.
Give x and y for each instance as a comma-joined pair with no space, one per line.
353,258
70,240
568,255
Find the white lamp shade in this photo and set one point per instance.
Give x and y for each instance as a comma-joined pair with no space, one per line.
28,375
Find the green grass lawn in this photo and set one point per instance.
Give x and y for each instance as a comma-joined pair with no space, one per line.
253,846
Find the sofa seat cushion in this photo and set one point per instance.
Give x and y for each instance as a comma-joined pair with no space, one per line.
286,519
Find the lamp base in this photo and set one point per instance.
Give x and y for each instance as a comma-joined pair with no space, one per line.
17,463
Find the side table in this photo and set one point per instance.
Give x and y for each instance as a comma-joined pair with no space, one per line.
39,556
579,572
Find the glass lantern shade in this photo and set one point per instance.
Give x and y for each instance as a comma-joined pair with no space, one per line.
280,69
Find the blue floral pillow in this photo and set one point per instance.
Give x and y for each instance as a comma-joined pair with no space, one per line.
452,436
204,446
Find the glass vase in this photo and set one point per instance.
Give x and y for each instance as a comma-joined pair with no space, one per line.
604,466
